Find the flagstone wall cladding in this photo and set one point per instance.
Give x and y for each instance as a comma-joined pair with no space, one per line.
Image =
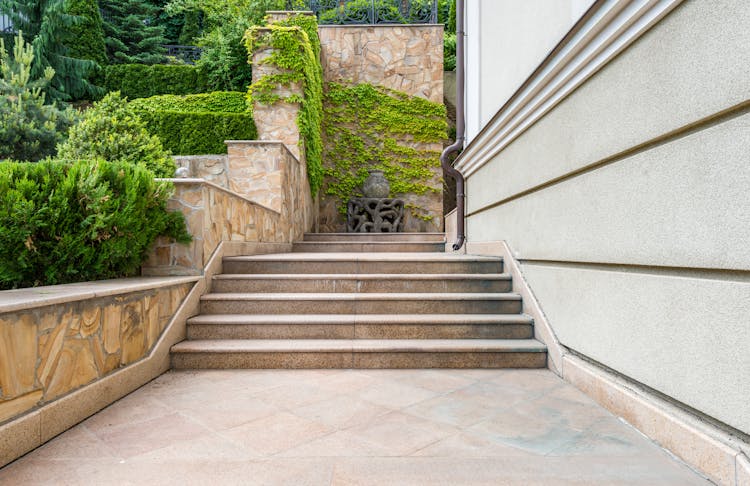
270,202
49,351
406,58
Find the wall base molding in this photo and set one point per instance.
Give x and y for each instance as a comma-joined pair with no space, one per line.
708,449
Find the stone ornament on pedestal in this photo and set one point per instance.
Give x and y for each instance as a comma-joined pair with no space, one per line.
376,185
374,215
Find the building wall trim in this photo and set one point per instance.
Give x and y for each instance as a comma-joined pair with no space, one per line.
608,28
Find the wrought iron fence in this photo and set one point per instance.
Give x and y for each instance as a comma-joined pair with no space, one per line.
6,26
188,54
370,11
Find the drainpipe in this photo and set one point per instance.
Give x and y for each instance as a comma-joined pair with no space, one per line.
460,129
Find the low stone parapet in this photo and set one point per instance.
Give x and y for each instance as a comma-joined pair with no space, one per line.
58,340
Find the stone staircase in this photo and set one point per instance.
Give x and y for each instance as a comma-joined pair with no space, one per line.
361,301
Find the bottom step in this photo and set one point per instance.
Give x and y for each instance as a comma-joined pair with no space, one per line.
359,353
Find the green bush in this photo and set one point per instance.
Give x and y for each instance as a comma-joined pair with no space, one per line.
197,124
111,130
85,40
29,129
360,10
71,222
198,133
218,101
449,52
142,81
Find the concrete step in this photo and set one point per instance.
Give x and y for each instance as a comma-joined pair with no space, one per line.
370,247
362,326
359,353
361,303
370,237
362,263
451,282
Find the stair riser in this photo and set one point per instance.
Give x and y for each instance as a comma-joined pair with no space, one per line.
333,247
359,331
361,267
375,237
351,285
346,359
360,307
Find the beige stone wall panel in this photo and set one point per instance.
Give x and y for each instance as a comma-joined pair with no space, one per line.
407,58
49,351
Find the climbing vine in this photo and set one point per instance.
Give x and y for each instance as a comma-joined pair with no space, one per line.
296,52
367,127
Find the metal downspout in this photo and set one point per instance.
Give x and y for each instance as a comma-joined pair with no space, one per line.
460,129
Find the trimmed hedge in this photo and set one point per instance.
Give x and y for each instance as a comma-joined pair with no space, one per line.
218,101
86,220
198,133
197,124
142,81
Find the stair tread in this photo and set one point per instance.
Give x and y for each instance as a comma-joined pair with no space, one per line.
363,257
363,276
346,242
396,319
359,345
330,296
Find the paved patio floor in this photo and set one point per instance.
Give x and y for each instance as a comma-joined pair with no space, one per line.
381,427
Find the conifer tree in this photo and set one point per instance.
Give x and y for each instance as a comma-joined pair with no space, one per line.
44,24
86,39
133,35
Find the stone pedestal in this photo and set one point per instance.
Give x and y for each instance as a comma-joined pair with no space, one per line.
374,215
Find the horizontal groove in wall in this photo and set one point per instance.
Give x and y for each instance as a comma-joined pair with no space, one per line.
742,276
684,131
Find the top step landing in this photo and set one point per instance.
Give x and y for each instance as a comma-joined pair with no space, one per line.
376,237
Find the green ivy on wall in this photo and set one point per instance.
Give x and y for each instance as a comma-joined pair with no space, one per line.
368,127
296,52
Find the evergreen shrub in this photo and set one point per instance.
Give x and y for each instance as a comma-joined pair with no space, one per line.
111,130
141,81
197,124
29,129
66,222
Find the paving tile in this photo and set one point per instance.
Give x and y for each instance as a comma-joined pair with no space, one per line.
139,437
403,434
395,395
276,433
321,427
341,412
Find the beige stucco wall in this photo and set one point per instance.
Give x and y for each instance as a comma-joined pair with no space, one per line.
406,58
505,41
627,207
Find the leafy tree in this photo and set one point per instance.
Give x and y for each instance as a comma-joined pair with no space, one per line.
224,59
29,129
44,24
191,29
133,37
86,38
112,131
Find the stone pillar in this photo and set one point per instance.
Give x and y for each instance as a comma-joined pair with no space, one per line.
277,121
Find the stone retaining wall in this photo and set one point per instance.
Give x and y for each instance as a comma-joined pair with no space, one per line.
54,340
406,58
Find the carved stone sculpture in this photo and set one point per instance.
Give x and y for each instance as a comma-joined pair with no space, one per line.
374,215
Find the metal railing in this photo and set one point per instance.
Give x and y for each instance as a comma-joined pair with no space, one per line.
6,26
344,12
187,54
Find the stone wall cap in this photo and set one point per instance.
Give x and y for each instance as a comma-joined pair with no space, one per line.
203,182
263,142
33,297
